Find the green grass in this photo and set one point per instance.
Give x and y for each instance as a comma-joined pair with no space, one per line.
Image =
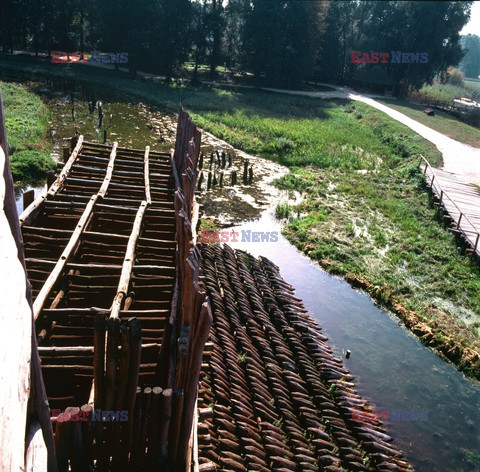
26,119
283,210
447,92
442,122
472,83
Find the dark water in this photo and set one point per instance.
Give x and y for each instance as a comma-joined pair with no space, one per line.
39,188
392,368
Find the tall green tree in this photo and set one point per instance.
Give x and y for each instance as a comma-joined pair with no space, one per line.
470,64
283,39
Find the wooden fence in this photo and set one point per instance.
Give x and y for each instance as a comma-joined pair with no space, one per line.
189,324
459,200
448,106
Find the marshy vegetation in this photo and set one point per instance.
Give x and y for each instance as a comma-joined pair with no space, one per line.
27,122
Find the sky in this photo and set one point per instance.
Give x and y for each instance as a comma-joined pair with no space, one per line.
473,26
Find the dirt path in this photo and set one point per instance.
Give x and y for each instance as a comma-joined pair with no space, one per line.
458,158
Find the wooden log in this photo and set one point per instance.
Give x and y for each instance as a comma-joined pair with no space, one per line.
153,438
245,171
111,358
31,212
135,350
121,438
129,259
87,435
165,415
209,181
108,175
63,433
50,178
202,332
36,458
136,430
57,185
66,154
28,198
21,375
123,370
77,456
60,265
146,172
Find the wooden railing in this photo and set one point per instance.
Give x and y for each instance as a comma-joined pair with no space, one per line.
446,106
461,222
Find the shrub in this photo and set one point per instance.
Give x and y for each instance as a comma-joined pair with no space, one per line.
283,210
455,77
31,165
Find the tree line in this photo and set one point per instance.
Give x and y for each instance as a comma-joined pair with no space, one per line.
470,64
279,42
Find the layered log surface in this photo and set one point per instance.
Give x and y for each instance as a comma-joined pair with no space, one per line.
102,241
272,394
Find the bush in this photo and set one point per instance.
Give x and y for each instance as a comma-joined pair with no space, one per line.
31,165
455,77
283,210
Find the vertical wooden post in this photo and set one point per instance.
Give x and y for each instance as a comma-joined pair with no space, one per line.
459,220
50,178
245,172
66,154
28,198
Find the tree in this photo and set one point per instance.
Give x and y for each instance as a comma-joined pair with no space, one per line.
470,64
172,35
282,39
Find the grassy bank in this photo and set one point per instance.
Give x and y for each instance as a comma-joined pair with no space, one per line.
442,122
26,120
447,92
365,214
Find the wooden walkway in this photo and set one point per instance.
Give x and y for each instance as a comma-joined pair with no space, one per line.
120,317
461,202
103,237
